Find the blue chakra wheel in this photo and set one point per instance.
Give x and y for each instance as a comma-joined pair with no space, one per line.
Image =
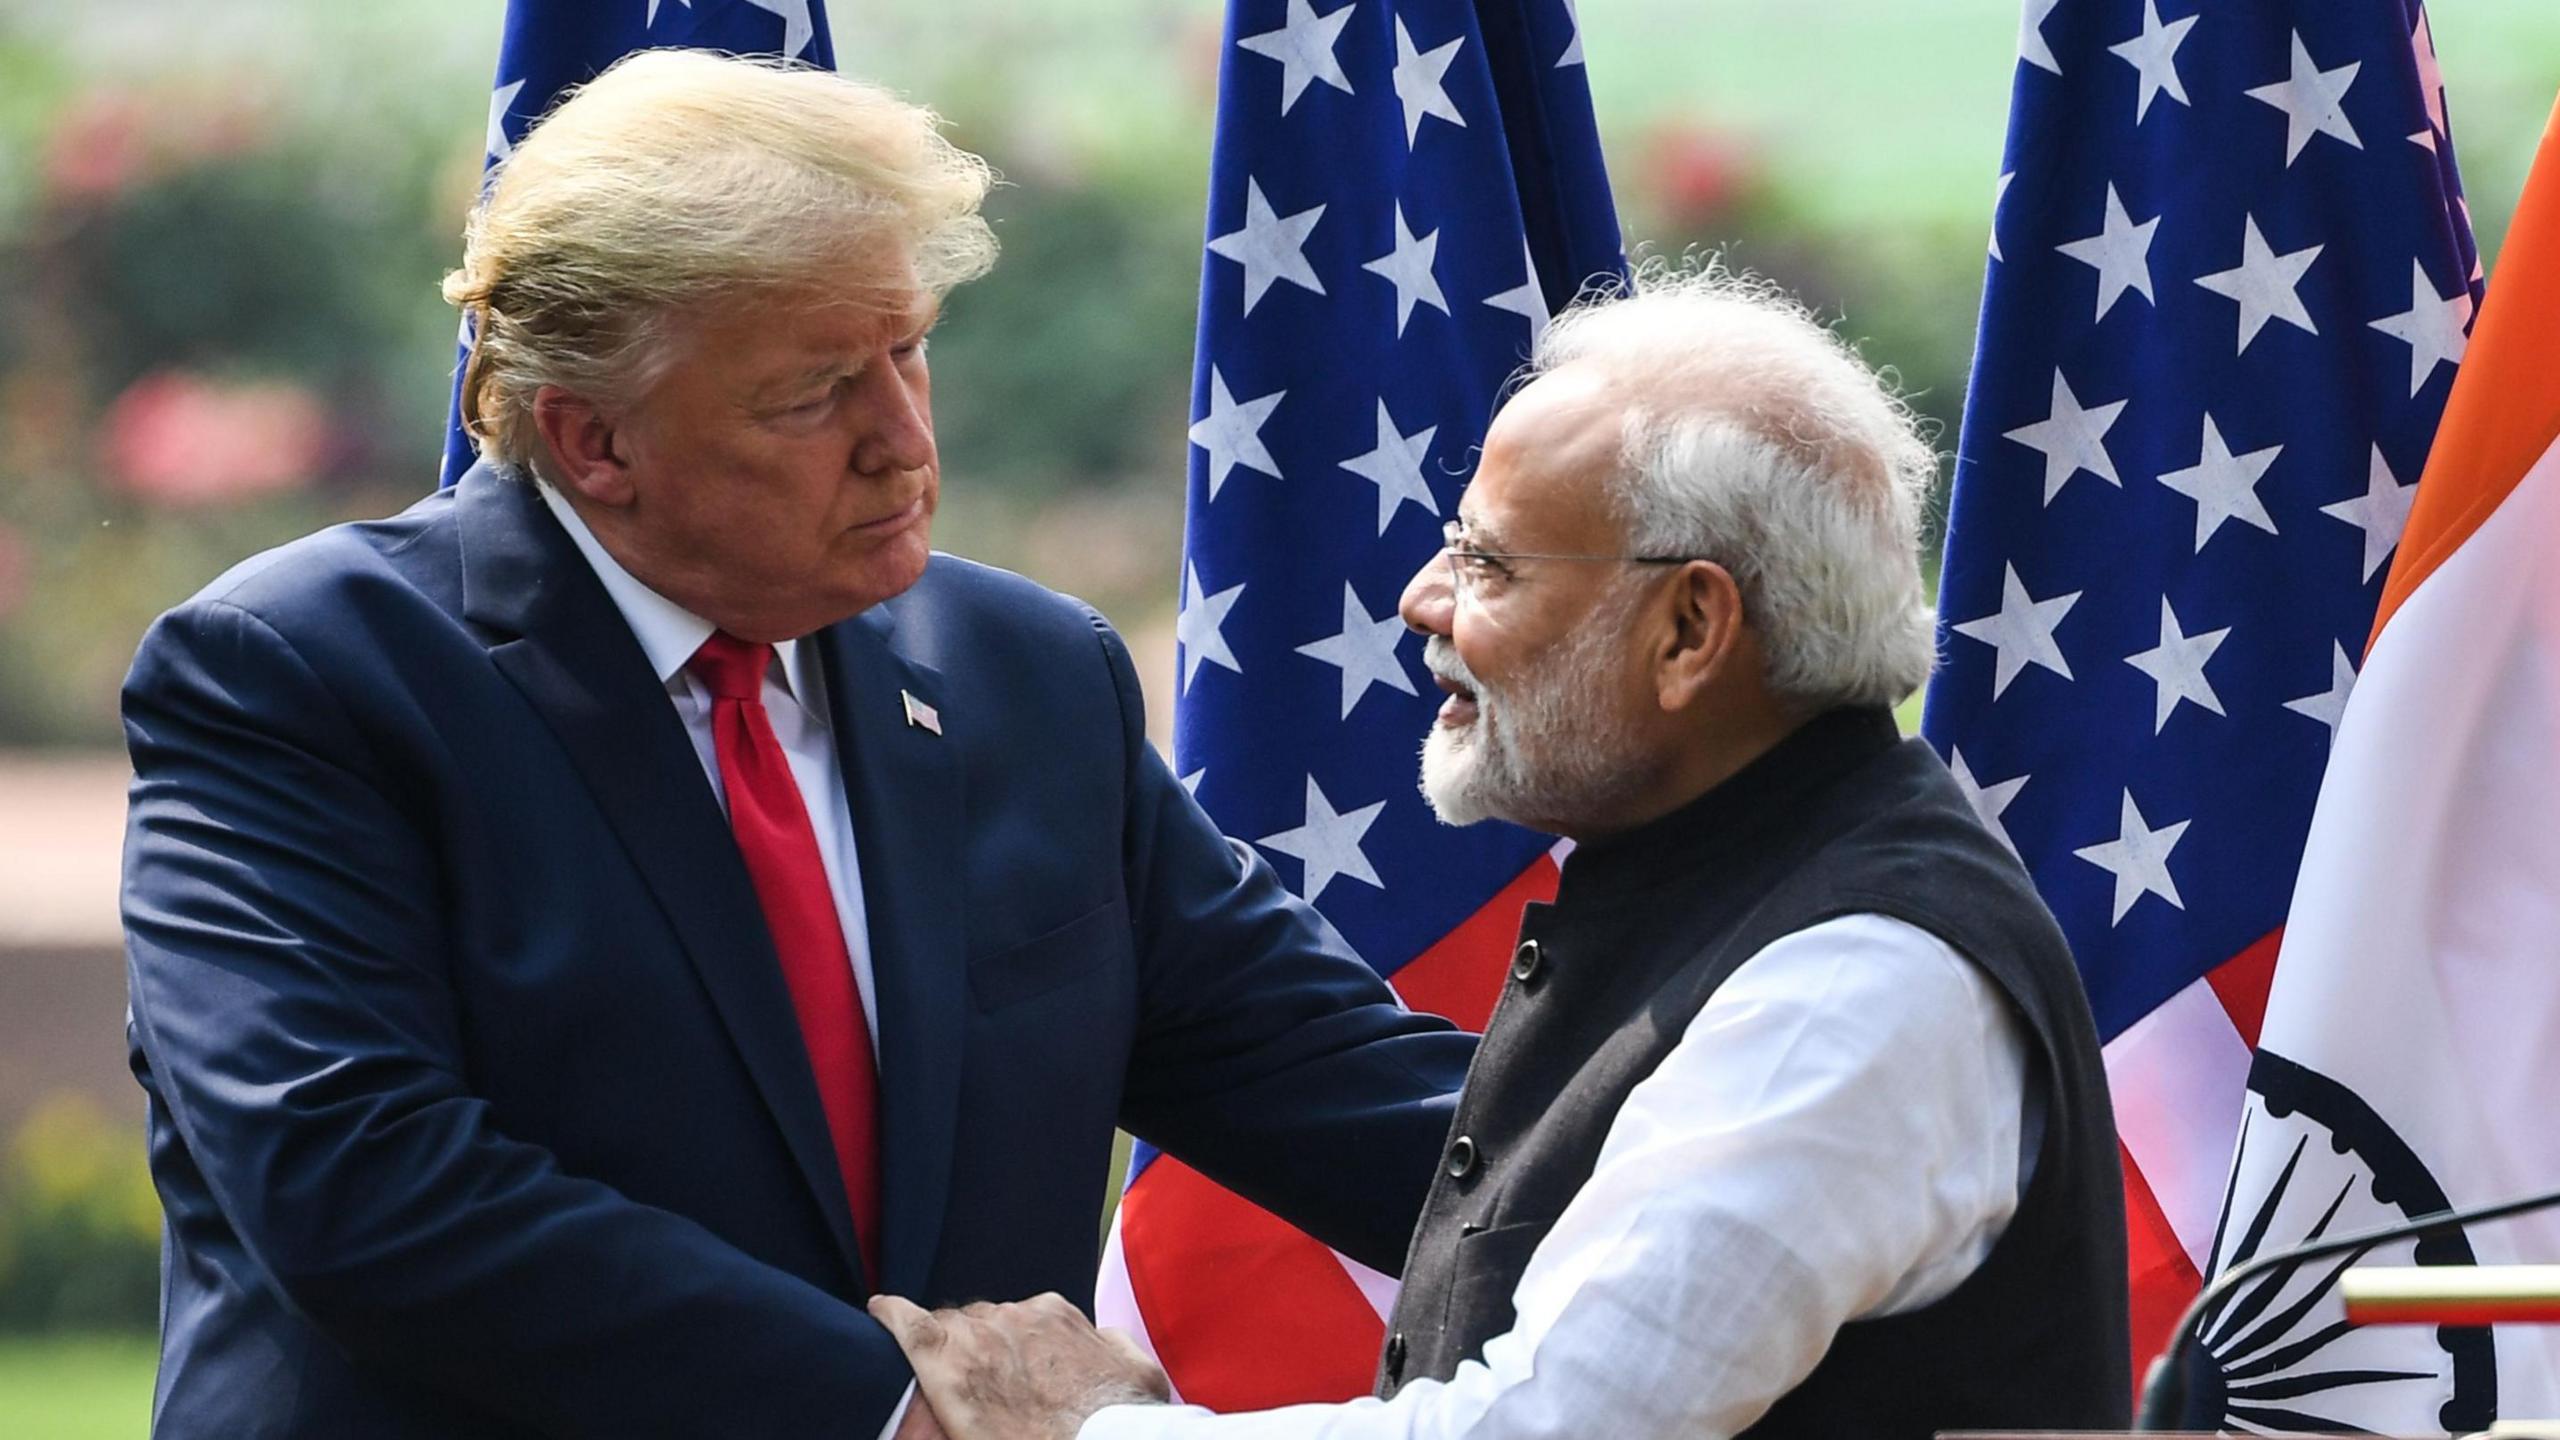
2279,1354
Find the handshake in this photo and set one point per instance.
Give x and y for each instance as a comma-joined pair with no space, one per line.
1031,1370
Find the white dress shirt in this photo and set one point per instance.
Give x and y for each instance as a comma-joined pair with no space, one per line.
1841,1132
795,701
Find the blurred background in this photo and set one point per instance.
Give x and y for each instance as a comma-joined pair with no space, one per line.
221,227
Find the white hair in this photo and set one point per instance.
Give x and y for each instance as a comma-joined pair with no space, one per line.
1756,438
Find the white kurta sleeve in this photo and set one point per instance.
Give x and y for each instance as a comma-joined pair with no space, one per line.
1836,1135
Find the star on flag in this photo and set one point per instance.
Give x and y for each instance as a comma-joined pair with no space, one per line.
1270,246
1304,47
2138,858
1199,631
1364,650
1419,82
1327,843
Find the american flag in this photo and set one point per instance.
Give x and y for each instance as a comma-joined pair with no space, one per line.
549,45
1399,197
2231,278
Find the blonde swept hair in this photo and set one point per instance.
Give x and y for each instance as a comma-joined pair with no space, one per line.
680,178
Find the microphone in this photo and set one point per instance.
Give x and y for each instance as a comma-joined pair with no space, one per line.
2164,1389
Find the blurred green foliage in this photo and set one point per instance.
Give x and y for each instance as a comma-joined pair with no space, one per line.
221,230
220,330
240,262
81,1387
79,1224
1090,279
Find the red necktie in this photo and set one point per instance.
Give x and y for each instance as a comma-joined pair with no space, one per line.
780,847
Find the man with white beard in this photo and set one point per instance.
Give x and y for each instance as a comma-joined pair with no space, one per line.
1792,1119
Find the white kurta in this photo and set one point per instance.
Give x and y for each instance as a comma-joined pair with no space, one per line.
1841,1132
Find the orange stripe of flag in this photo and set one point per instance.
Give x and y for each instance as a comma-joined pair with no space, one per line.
2505,408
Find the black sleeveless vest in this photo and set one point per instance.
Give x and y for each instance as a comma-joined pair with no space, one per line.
1842,817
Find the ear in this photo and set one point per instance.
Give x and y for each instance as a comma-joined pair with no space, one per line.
579,439
1707,636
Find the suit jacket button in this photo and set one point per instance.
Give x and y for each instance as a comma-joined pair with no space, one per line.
1527,961
1395,1357
1462,1158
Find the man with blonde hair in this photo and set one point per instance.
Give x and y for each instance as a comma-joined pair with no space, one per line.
1791,1121
590,931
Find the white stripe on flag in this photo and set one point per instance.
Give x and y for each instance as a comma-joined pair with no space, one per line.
1376,1288
2417,970
2179,1076
1115,1302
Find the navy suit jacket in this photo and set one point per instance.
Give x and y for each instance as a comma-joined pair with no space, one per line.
477,1103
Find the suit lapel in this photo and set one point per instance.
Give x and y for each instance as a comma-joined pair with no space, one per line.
903,779
575,660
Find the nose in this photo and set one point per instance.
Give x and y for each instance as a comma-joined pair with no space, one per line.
1428,599
895,429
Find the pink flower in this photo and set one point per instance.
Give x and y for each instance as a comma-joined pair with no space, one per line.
102,144
180,439
108,141
1697,174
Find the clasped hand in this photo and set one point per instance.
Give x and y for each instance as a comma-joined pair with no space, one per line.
1031,1370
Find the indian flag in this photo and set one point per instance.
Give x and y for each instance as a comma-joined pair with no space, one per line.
2410,1059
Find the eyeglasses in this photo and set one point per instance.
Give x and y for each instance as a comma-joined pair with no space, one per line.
1471,568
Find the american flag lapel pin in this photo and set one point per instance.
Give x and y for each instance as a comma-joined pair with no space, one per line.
921,715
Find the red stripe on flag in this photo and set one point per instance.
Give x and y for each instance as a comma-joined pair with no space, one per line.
1461,976
1247,1312
2241,983
2163,1279
1196,1253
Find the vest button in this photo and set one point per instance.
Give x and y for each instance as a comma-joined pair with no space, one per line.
1462,1158
1395,1357
1527,961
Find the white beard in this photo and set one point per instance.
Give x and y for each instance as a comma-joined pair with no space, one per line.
1547,751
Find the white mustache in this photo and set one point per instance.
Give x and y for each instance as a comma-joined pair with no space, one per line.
1441,659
